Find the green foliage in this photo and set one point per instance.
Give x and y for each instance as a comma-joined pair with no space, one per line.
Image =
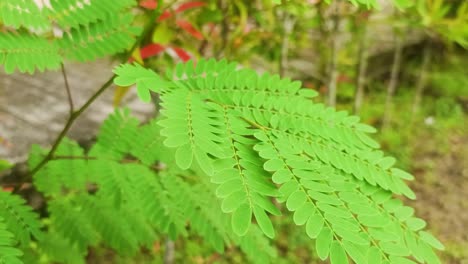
5,165
99,39
230,150
446,19
27,52
121,195
25,13
73,13
43,37
19,218
8,253
242,131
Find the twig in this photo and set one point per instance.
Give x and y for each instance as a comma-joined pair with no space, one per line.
169,251
224,28
69,123
333,71
74,115
288,26
392,85
156,167
323,34
67,88
422,80
362,69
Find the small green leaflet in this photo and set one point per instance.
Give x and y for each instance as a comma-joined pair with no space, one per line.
431,240
241,219
337,254
323,242
145,79
314,226
184,156
264,222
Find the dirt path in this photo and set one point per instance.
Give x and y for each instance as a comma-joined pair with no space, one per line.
442,194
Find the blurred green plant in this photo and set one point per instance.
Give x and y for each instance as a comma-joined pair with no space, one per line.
272,30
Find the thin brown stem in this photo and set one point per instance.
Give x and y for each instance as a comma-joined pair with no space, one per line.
421,84
156,167
169,254
65,157
288,26
75,114
333,66
362,69
67,88
69,123
394,78
224,28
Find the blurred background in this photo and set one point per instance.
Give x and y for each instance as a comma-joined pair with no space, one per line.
402,68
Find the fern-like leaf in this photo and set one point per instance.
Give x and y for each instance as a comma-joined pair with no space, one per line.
67,220
74,13
148,148
27,53
235,125
59,249
146,80
115,136
155,203
196,202
257,247
8,253
19,218
16,13
104,37
61,174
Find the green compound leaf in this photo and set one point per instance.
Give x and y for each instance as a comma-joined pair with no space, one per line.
254,146
28,52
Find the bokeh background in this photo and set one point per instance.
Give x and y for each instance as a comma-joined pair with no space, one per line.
402,70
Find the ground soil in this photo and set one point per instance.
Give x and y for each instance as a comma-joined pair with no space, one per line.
442,193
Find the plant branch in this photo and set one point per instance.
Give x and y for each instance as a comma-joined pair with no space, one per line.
169,255
69,123
155,167
288,26
75,114
361,68
423,75
67,88
333,66
224,27
394,76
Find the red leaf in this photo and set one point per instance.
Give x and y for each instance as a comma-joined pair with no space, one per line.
189,5
151,50
7,189
149,4
183,55
187,26
165,15
343,78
